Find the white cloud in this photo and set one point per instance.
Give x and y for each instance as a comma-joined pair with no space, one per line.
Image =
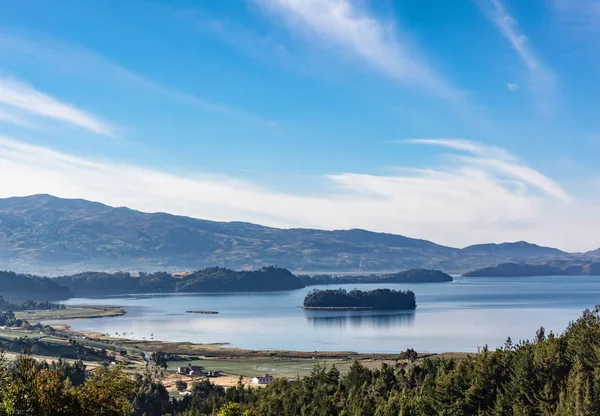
79,61
9,117
512,87
342,23
16,94
482,195
494,159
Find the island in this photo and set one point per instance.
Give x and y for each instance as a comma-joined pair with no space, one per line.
543,269
406,276
378,299
203,312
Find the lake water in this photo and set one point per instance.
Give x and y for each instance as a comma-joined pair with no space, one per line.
456,316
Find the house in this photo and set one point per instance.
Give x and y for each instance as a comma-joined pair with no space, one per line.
191,370
266,379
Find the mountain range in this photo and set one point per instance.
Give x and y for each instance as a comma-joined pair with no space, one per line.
52,236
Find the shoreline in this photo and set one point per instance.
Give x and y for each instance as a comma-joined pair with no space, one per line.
72,312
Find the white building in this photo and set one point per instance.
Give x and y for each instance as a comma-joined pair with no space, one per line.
266,379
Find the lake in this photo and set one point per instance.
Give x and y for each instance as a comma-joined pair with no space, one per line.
457,316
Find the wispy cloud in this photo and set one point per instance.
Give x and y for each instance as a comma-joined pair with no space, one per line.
24,97
81,62
483,194
342,23
497,160
10,117
512,87
542,78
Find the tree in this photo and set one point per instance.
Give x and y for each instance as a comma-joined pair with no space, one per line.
409,354
181,385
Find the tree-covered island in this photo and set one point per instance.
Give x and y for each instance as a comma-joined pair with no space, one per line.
378,299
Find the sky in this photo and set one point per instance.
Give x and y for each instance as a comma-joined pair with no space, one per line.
459,122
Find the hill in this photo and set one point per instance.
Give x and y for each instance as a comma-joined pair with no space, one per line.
53,236
516,270
520,249
27,287
214,279
406,276
558,268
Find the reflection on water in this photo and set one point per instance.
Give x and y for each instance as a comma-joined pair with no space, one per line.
360,319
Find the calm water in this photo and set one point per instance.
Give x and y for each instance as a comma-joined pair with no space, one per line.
456,316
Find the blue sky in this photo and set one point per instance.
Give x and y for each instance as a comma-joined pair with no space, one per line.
461,122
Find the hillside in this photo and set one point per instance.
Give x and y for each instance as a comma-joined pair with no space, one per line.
560,268
53,236
214,279
406,276
27,287
520,249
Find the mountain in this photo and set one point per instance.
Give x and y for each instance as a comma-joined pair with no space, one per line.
518,250
595,253
54,236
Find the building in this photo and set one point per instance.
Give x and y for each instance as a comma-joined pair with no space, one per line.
266,379
192,370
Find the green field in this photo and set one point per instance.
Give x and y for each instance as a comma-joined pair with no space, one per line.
277,367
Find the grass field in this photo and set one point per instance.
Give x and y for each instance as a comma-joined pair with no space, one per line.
277,367
71,312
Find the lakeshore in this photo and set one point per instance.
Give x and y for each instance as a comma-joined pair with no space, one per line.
71,312
231,363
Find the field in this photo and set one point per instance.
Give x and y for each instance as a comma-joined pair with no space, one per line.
70,312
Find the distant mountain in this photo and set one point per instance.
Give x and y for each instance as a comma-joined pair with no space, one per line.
518,250
53,236
594,252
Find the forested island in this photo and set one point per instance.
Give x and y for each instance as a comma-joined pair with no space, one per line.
406,276
524,270
378,299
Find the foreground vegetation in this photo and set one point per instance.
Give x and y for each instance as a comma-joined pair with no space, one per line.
380,299
550,375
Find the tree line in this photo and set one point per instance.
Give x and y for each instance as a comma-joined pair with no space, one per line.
29,305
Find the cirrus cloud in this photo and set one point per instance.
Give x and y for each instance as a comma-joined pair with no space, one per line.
482,194
16,94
